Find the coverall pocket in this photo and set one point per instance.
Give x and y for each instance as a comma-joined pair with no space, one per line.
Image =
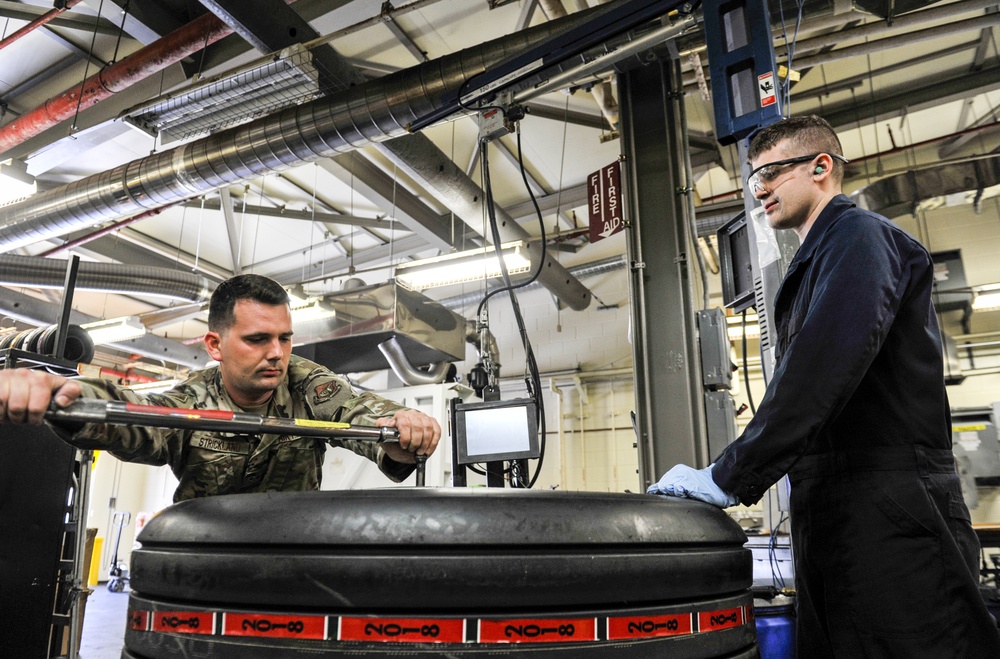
900,515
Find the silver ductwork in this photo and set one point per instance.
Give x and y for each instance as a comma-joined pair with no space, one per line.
347,328
407,372
37,272
898,195
364,114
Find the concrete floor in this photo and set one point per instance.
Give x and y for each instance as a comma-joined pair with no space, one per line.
104,624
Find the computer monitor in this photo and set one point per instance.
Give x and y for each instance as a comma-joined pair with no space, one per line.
734,257
496,430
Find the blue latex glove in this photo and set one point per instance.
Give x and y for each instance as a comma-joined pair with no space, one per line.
683,481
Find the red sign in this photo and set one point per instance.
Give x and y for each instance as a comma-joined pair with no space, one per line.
629,627
604,195
547,630
710,621
274,626
402,630
138,620
184,622
765,87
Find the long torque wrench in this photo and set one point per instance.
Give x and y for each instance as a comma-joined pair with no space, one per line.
93,410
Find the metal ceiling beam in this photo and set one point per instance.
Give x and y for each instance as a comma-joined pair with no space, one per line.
907,40
985,40
232,233
37,312
346,265
576,118
535,184
79,52
179,257
329,207
565,198
428,165
144,21
376,186
21,12
933,91
404,38
951,147
288,214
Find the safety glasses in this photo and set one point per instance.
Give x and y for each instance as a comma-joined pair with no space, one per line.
768,172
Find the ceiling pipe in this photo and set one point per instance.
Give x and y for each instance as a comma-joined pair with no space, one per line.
38,22
407,372
182,42
17,270
601,91
83,240
374,112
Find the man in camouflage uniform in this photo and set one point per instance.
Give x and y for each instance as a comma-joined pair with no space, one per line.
250,335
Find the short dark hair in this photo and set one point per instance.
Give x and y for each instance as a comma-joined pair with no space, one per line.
814,134
241,287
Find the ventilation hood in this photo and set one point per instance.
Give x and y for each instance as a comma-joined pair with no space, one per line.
349,326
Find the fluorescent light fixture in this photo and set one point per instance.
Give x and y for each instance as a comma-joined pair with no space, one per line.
115,330
987,300
461,267
15,181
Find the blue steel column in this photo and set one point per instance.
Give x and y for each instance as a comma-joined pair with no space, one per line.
670,416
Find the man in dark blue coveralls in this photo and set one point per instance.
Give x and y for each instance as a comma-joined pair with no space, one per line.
886,561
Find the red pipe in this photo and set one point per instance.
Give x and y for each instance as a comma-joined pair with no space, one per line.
185,40
82,240
37,23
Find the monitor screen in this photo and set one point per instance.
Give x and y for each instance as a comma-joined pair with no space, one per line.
735,258
496,430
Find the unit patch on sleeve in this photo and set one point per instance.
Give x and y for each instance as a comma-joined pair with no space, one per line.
325,392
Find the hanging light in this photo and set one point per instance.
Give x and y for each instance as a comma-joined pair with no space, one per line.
462,267
987,299
15,181
115,330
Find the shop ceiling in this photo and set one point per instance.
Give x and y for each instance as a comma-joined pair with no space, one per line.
908,85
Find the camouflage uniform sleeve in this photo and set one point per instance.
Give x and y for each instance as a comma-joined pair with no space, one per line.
152,446
330,397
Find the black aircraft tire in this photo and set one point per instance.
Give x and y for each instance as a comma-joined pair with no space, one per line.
444,548
417,560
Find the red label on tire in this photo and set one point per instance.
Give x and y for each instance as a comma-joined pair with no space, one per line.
138,620
710,621
184,622
274,626
533,630
628,627
402,630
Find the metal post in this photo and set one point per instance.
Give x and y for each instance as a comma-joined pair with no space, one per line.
670,419
81,502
